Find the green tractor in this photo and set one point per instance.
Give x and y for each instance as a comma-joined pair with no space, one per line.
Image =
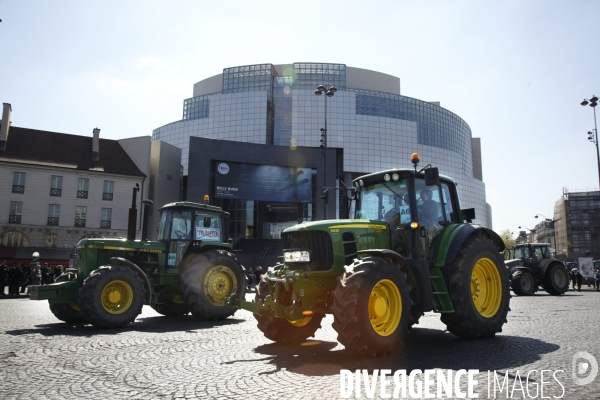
407,252
189,269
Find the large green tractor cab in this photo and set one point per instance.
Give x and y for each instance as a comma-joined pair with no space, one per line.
191,268
408,251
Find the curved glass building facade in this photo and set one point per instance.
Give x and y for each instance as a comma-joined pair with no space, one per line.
369,123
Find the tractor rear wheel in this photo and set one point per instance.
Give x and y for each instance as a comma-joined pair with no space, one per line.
523,283
67,312
479,290
207,279
282,330
173,307
556,280
112,296
372,307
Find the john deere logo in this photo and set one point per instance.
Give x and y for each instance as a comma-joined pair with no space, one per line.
223,168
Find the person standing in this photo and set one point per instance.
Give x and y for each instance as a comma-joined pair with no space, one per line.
579,279
14,279
249,278
35,278
597,280
25,271
257,274
3,277
45,274
573,277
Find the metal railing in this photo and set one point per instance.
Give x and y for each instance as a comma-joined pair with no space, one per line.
79,222
55,192
105,224
82,194
53,221
14,219
18,189
107,196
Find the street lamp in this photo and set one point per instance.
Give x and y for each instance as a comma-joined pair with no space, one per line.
530,231
547,219
593,136
328,93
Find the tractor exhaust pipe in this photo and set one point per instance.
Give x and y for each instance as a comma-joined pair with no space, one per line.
132,214
147,203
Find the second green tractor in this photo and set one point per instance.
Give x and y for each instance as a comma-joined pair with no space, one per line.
407,251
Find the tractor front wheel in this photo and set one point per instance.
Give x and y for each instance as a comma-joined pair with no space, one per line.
479,290
67,312
523,283
372,307
112,296
282,330
207,279
556,280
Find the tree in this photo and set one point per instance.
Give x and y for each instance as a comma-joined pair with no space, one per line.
508,239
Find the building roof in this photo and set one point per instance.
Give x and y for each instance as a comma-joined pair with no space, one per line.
53,149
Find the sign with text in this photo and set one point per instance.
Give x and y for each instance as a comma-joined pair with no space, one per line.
263,182
208,234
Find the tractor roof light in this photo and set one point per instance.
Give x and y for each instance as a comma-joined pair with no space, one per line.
361,183
387,177
414,158
414,225
206,198
395,176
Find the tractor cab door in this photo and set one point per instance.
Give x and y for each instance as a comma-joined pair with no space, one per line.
175,229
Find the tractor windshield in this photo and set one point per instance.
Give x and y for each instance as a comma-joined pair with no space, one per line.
188,224
208,227
385,202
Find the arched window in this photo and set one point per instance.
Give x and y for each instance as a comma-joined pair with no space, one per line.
14,239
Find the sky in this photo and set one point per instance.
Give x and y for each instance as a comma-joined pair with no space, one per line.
515,71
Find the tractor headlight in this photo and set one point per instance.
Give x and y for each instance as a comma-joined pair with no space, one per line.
296,256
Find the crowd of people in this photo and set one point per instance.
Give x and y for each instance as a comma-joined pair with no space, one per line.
577,279
18,277
253,277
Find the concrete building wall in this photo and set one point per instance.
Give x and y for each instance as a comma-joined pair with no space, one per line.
164,182
477,166
214,84
358,78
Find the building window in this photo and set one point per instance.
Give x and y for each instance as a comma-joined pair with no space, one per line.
106,218
14,239
51,239
19,182
107,192
82,188
56,186
80,215
16,208
53,214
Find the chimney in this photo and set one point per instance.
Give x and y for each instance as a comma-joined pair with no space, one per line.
4,127
96,145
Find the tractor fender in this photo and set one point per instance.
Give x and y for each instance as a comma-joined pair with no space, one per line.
420,270
137,270
455,238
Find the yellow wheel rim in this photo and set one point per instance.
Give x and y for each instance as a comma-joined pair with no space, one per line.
300,322
177,299
385,307
75,307
219,283
117,297
486,288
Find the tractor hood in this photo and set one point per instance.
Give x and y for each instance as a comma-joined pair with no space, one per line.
122,244
339,224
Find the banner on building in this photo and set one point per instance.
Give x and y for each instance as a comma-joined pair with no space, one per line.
263,182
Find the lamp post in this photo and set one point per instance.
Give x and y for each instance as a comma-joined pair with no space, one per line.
530,231
328,93
593,136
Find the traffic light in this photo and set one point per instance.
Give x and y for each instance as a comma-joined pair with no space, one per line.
323,145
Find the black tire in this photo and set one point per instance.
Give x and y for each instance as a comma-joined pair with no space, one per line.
373,282
112,296
478,312
281,330
556,280
171,307
67,312
207,279
523,283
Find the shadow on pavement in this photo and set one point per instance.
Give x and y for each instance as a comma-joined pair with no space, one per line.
150,324
424,349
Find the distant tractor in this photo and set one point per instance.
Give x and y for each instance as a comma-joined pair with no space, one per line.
407,252
189,269
531,265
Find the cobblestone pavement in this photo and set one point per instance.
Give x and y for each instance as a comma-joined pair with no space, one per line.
166,358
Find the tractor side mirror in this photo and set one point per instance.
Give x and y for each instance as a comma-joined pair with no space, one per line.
432,176
207,221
